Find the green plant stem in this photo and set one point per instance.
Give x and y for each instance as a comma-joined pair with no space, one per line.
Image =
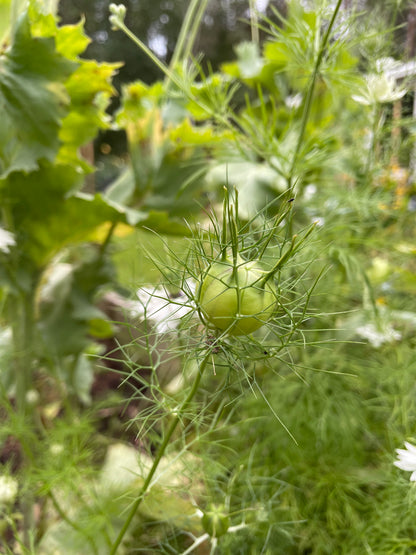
169,74
173,78
178,415
224,226
196,23
293,247
254,22
14,10
22,318
309,95
22,329
371,157
104,245
71,523
187,34
183,34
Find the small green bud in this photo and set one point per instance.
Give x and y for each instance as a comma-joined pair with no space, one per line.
215,521
118,13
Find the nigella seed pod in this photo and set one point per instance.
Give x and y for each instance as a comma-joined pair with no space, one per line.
236,299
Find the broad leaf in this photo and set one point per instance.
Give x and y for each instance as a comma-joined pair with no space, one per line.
257,184
90,89
67,317
152,216
33,100
47,216
168,158
89,86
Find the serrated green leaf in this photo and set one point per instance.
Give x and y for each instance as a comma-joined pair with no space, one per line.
138,98
71,222
71,41
89,86
46,218
90,89
186,134
33,100
90,79
167,161
43,22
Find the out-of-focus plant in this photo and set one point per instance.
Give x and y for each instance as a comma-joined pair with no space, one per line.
268,119
378,89
235,295
52,102
237,305
270,125
52,269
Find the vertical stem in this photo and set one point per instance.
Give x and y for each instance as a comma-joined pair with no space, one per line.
376,117
192,34
224,225
72,523
396,132
104,245
180,45
179,414
254,22
22,318
16,7
22,329
21,315
309,95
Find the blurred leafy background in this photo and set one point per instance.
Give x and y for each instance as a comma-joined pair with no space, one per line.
346,392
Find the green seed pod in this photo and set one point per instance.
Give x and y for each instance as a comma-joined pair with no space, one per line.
236,300
215,521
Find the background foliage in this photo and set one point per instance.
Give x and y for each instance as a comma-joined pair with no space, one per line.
294,450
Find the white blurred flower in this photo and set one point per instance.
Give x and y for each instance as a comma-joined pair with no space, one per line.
377,336
7,240
164,311
368,138
56,449
32,397
309,191
261,5
380,88
56,279
8,489
407,460
380,269
319,221
293,101
387,65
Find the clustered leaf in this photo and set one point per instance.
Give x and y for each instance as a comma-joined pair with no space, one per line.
33,100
